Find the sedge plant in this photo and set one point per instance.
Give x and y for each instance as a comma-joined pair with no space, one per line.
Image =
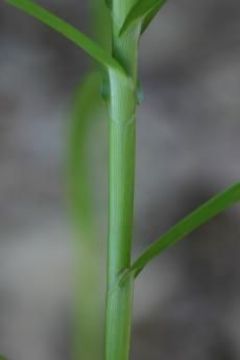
119,64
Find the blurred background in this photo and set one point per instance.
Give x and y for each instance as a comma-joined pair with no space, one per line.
187,303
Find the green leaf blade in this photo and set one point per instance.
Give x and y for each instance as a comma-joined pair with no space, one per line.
151,15
68,31
109,4
144,10
191,222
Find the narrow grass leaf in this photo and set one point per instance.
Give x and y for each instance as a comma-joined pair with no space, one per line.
68,31
109,3
151,15
201,215
143,9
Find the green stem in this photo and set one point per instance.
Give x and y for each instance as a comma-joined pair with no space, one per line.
121,187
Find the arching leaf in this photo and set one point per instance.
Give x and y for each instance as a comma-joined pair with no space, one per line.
200,216
68,31
143,10
149,18
109,3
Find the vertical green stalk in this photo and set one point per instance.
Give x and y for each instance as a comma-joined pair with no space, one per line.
121,185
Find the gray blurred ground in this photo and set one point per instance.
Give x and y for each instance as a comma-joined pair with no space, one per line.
187,302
